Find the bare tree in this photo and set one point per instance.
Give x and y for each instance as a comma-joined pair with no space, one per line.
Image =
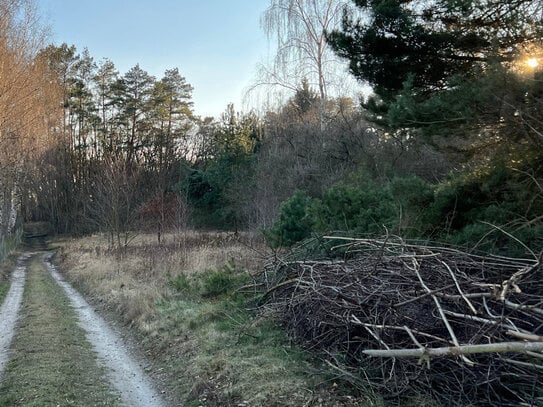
298,29
116,199
26,102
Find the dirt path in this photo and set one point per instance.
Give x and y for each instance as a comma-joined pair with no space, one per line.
125,373
55,348
9,310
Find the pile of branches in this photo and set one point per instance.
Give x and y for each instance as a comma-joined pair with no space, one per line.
466,329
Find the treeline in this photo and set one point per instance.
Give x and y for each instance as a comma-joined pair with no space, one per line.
463,79
118,144
448,147
130,154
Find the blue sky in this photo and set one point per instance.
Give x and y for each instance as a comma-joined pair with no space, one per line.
216,44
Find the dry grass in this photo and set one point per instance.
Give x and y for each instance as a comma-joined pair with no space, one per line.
134,280
182,298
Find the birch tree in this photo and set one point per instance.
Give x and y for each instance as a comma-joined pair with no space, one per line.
25,109
297,31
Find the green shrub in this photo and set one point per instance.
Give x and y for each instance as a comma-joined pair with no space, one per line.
482,208
363,209
209,284
215,283
414,198
221,282
468,210
181,284
295,222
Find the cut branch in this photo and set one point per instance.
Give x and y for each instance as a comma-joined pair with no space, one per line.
504,347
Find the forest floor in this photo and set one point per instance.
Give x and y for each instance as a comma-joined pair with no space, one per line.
56,351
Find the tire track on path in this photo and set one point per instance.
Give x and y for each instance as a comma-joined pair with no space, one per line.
9,311
125,374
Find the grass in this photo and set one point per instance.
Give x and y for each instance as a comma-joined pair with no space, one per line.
9,245
4,286
234,357
6,268
183,300
52,363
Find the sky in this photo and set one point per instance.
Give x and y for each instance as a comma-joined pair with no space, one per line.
216,44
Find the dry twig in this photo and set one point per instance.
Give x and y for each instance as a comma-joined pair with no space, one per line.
388,296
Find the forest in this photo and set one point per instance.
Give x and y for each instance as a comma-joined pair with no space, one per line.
446,150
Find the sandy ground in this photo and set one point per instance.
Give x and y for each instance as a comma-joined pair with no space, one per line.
125,374
9,310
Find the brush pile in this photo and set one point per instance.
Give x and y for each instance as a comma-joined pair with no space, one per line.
464,328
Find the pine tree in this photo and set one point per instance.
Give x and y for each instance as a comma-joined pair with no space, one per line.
455,69
133,98
430,42
104,82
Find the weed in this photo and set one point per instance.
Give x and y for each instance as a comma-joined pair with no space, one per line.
181,284
215,283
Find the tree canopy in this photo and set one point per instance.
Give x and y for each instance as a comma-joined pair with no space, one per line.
450,67
431,41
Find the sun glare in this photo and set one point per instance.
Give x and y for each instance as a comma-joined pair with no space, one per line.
532,62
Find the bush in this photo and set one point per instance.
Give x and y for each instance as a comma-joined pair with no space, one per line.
460,211
295,222
181,284
414,198
363,209
466,207
212,283
216,283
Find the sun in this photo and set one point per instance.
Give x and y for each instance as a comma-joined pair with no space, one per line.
532,62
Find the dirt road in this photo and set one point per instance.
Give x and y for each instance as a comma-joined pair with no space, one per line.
9,310
75,342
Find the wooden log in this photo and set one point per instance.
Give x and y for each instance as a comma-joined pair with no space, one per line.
503,347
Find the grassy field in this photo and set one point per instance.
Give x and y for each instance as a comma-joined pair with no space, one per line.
52,363
186,302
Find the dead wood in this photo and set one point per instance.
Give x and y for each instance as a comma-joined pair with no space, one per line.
405,316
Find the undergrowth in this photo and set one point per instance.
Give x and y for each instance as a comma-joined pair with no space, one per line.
4,285
495,209
235,357
10,244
